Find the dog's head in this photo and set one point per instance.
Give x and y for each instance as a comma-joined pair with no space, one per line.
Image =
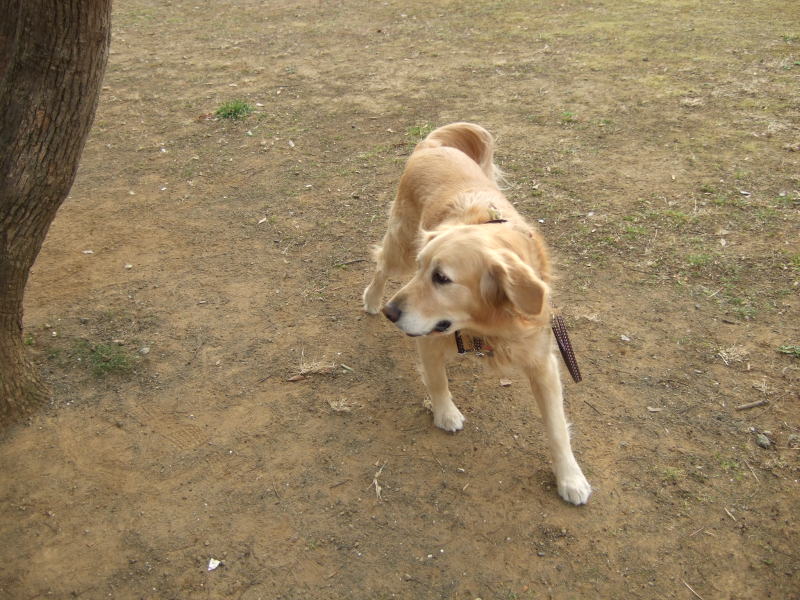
469,277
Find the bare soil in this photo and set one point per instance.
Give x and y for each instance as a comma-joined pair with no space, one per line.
657,143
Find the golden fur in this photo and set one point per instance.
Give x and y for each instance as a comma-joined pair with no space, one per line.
474,274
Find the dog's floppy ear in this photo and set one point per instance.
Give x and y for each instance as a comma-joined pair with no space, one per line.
509,278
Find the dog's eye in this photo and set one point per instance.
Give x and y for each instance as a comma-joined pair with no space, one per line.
440,278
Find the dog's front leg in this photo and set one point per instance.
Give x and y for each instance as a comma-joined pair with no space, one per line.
432,352
546,387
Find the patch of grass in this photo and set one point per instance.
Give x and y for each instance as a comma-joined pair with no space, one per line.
767,215
743,307
104,359
418,132
633,232
235,109
568,118
375,152
676,217
791,350
672,474
536,119
731,466
732,200
787,201
794,262
699,260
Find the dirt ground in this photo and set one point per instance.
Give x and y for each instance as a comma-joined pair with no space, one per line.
201,265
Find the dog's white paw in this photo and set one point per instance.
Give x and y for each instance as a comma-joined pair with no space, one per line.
449,419
574,488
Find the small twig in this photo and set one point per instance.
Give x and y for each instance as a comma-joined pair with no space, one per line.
691,590
376,484
350,262
275,489
335,485
696,532
592,407
751,470
729,513
761,402
194,354
441,466
346,368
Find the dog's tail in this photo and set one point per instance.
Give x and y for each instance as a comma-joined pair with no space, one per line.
473,140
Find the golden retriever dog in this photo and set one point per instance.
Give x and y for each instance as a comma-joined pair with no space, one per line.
477,268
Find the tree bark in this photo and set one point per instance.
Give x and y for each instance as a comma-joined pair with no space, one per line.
52,59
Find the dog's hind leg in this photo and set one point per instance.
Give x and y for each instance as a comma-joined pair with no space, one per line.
392,259
546,386
373,294
432,353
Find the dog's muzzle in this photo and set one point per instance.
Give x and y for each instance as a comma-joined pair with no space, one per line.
394,313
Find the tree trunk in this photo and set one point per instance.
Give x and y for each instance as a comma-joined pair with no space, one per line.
52,58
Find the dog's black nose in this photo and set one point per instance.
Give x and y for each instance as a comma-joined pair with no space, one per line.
443,326
392,312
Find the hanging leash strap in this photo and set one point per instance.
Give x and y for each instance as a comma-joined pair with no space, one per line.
564,345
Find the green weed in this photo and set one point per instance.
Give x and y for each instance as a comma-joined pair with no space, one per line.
104,359
794,262
633,232
743,307
672,474
418,132
567,118
235,109
699,260
791,350
677,217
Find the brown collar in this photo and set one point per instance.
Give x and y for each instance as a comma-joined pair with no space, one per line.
478,346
